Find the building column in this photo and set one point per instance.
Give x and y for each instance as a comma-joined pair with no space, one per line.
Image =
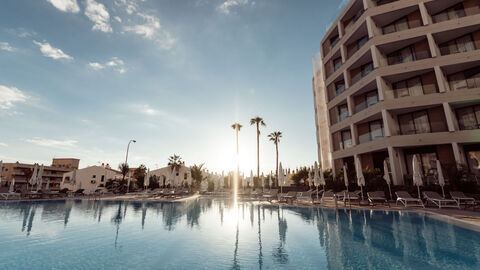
372,28
353,131
432,44
389,125
346,78
378,59
426,18
350,106
343,52
395,166
450,117
341,31
443,85
382,87
368,4
459,154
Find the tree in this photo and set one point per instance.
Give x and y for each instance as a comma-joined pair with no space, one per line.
298,176
237,127
175,162
139,175
124,168
258,121
275,138
197,175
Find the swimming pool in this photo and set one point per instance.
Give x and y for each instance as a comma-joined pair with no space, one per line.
218,234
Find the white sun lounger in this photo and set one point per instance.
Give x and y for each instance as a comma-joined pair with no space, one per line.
405,198
305,196
461,198
9,194
436,199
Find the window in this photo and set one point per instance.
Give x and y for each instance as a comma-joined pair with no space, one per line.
358,15
410,87
368,99
427,162
450,13
376,130
370,131
337,63
469,117
185,176
342,112
398,25
94,176
465,79
102,179
401,56
366,69
333,41
346,139
362,42
459,45
414,123
339,88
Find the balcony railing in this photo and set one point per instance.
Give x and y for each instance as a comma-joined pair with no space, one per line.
400,59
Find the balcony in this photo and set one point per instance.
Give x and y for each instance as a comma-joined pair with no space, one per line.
384,2
468,117
366,100
442,11
370,131
363,71
423,121
414,52
419,85
467,79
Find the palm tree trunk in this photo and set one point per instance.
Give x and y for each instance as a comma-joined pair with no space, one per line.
276,170
258,152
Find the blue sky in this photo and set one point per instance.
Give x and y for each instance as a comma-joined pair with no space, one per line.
79,78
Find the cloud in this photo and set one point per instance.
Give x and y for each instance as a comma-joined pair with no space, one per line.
98,14
52,142
226,6
118,19
152,30
65,5
343,3
6,47
115,63
21,32
10,95
3,144
52,52
149,111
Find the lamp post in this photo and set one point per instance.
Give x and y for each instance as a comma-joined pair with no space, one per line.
126,157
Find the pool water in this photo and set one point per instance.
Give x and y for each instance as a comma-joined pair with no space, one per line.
221,234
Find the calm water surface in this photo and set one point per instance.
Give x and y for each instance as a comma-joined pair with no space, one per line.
217,234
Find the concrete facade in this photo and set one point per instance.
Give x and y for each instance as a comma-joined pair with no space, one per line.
396,79
90,178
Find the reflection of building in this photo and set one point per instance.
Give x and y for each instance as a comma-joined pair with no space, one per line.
165,175
400,78
90,178
54,173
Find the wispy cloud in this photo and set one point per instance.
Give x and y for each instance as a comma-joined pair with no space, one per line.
147,110
65,5
6,47
152,30
9,96
227,6
52,52
52,142
115,63
3,144
343,3
98,14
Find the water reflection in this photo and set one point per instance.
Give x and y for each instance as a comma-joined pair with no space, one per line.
263,236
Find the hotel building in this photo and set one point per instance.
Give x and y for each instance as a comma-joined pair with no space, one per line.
395,78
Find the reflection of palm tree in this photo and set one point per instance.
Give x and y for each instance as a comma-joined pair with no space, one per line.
26,213
260,254
144,214
235,252
280,254
117,220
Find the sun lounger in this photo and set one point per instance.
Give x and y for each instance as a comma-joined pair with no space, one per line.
405,198
462,199
272,195
350,197
287,197
328,196
436,199
377,196
305,196
7,195
340,195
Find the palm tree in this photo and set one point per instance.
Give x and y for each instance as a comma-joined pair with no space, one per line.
258,121
175,162
197,174
275,138
237,127
124,168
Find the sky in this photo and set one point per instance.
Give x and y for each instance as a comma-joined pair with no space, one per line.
80,78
